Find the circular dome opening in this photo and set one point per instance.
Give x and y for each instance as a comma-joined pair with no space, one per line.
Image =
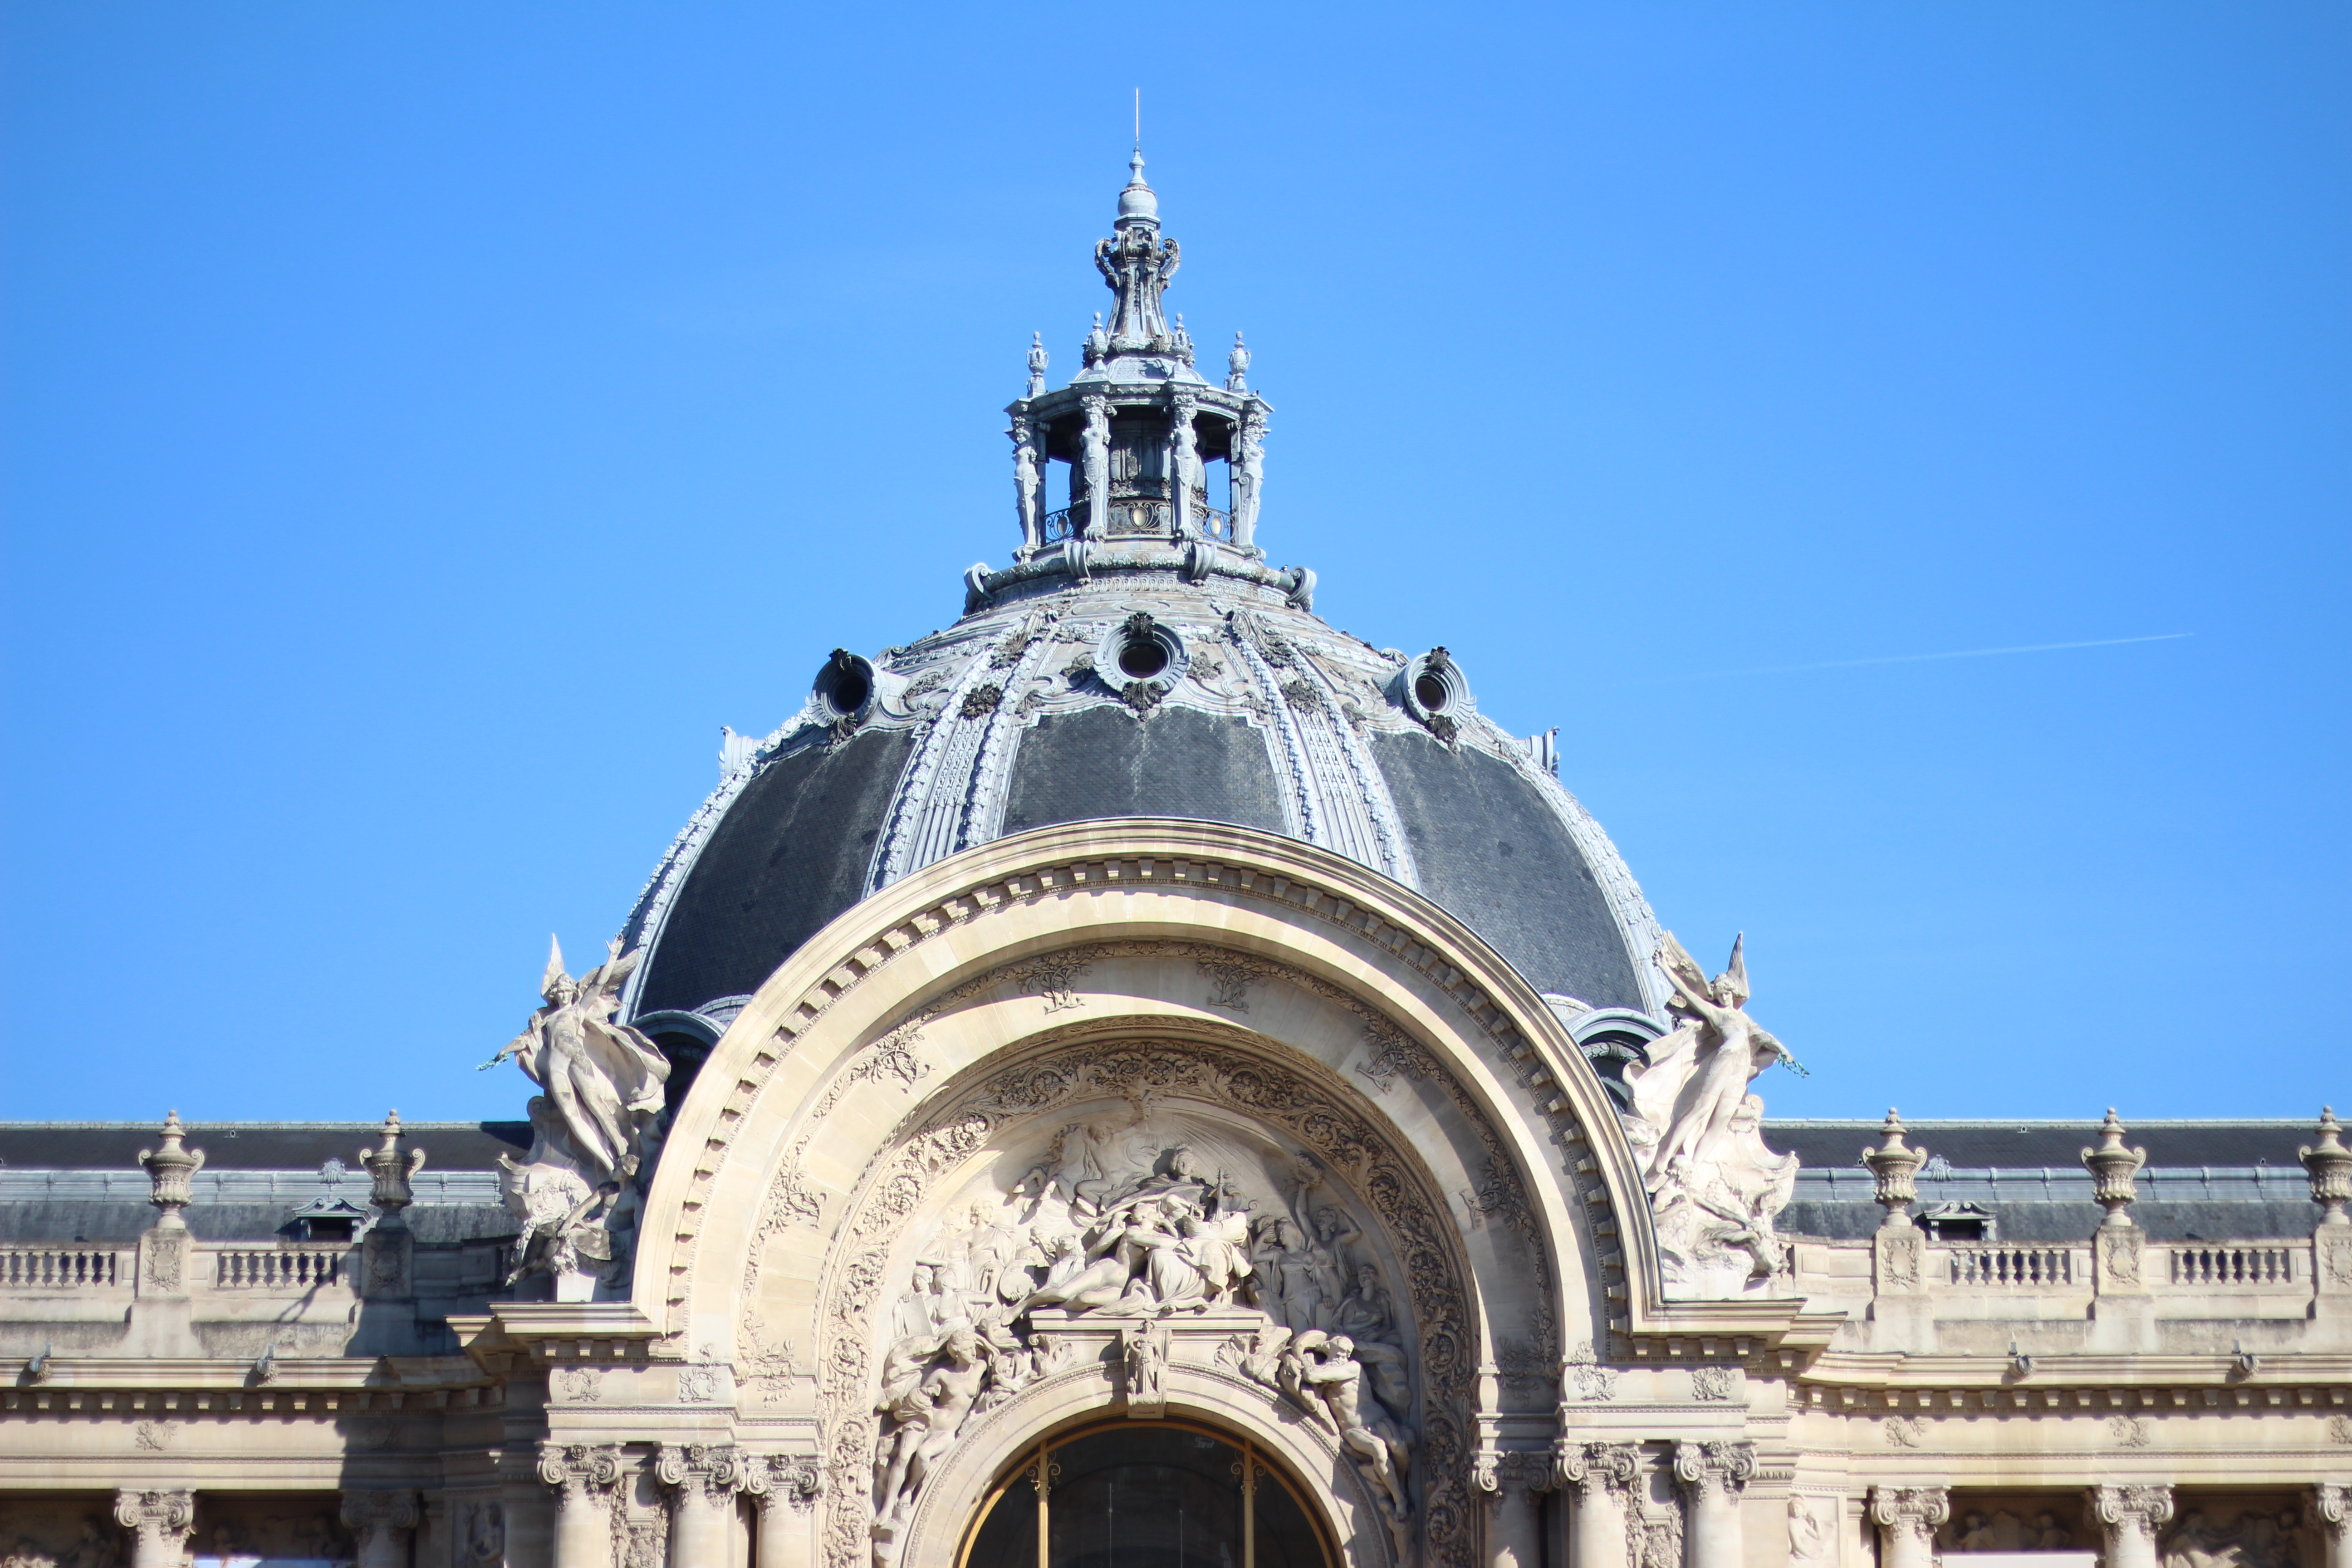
1431,692
1141,660
1140,655
845,684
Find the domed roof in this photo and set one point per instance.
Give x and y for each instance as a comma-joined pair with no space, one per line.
1139,658
1127,696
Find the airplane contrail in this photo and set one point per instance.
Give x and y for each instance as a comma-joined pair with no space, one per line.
1913,658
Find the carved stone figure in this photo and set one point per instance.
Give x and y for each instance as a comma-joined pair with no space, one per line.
1144,1349
1808,1534
1714,1187
1378,1444
1028,486
2254,1537
926,1408
1249,477
605,1077
579,1190
1094,464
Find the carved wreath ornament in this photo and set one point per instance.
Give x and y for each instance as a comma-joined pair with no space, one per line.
932,1156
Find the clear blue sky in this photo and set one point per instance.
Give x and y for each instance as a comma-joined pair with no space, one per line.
427,424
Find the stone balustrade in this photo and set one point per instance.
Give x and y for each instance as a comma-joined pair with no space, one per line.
62,1268
1993,1266
2250,1265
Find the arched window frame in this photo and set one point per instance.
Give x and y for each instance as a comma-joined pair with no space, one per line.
1038,1461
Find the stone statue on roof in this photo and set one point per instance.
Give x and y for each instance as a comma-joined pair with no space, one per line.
605,1079
1714,1187
593,1132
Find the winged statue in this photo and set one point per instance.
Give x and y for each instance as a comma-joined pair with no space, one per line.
1714,1187
605,1079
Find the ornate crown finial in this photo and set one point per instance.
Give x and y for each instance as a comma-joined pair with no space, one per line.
1136,264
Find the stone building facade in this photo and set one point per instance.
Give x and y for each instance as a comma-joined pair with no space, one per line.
1142,1076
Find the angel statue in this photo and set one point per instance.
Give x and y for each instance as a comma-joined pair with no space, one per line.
1727,1048
1714,1187
605,1077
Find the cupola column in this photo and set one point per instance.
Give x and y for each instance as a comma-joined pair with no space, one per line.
1093,461
1028,484
1249,473
1183,463
2332,1502
788,1512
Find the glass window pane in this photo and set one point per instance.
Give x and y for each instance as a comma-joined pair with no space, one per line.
1008,1536
1286,1536
1147,1498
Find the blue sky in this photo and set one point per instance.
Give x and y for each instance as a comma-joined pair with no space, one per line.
426,425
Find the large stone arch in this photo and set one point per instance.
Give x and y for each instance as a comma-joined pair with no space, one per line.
1147,928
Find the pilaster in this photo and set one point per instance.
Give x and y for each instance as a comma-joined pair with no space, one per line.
1513,1485
788,1510
702,1480
1907,1519
1602,1478
583,1477
1711,1476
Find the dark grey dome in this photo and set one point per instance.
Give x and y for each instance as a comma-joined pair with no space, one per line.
1030,712
1139,658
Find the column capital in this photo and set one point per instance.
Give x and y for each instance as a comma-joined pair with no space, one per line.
1596,1468
1915,1512
1497,1474
2132,1512
713,1471
792,1479
378,1509
576,1469
160,1517
1727,1468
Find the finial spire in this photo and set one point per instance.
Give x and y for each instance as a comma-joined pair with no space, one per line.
1137,263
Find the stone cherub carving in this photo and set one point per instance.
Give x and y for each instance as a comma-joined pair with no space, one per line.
1715,1188
592,1132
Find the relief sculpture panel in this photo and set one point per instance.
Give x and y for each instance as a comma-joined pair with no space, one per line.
1127,1182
